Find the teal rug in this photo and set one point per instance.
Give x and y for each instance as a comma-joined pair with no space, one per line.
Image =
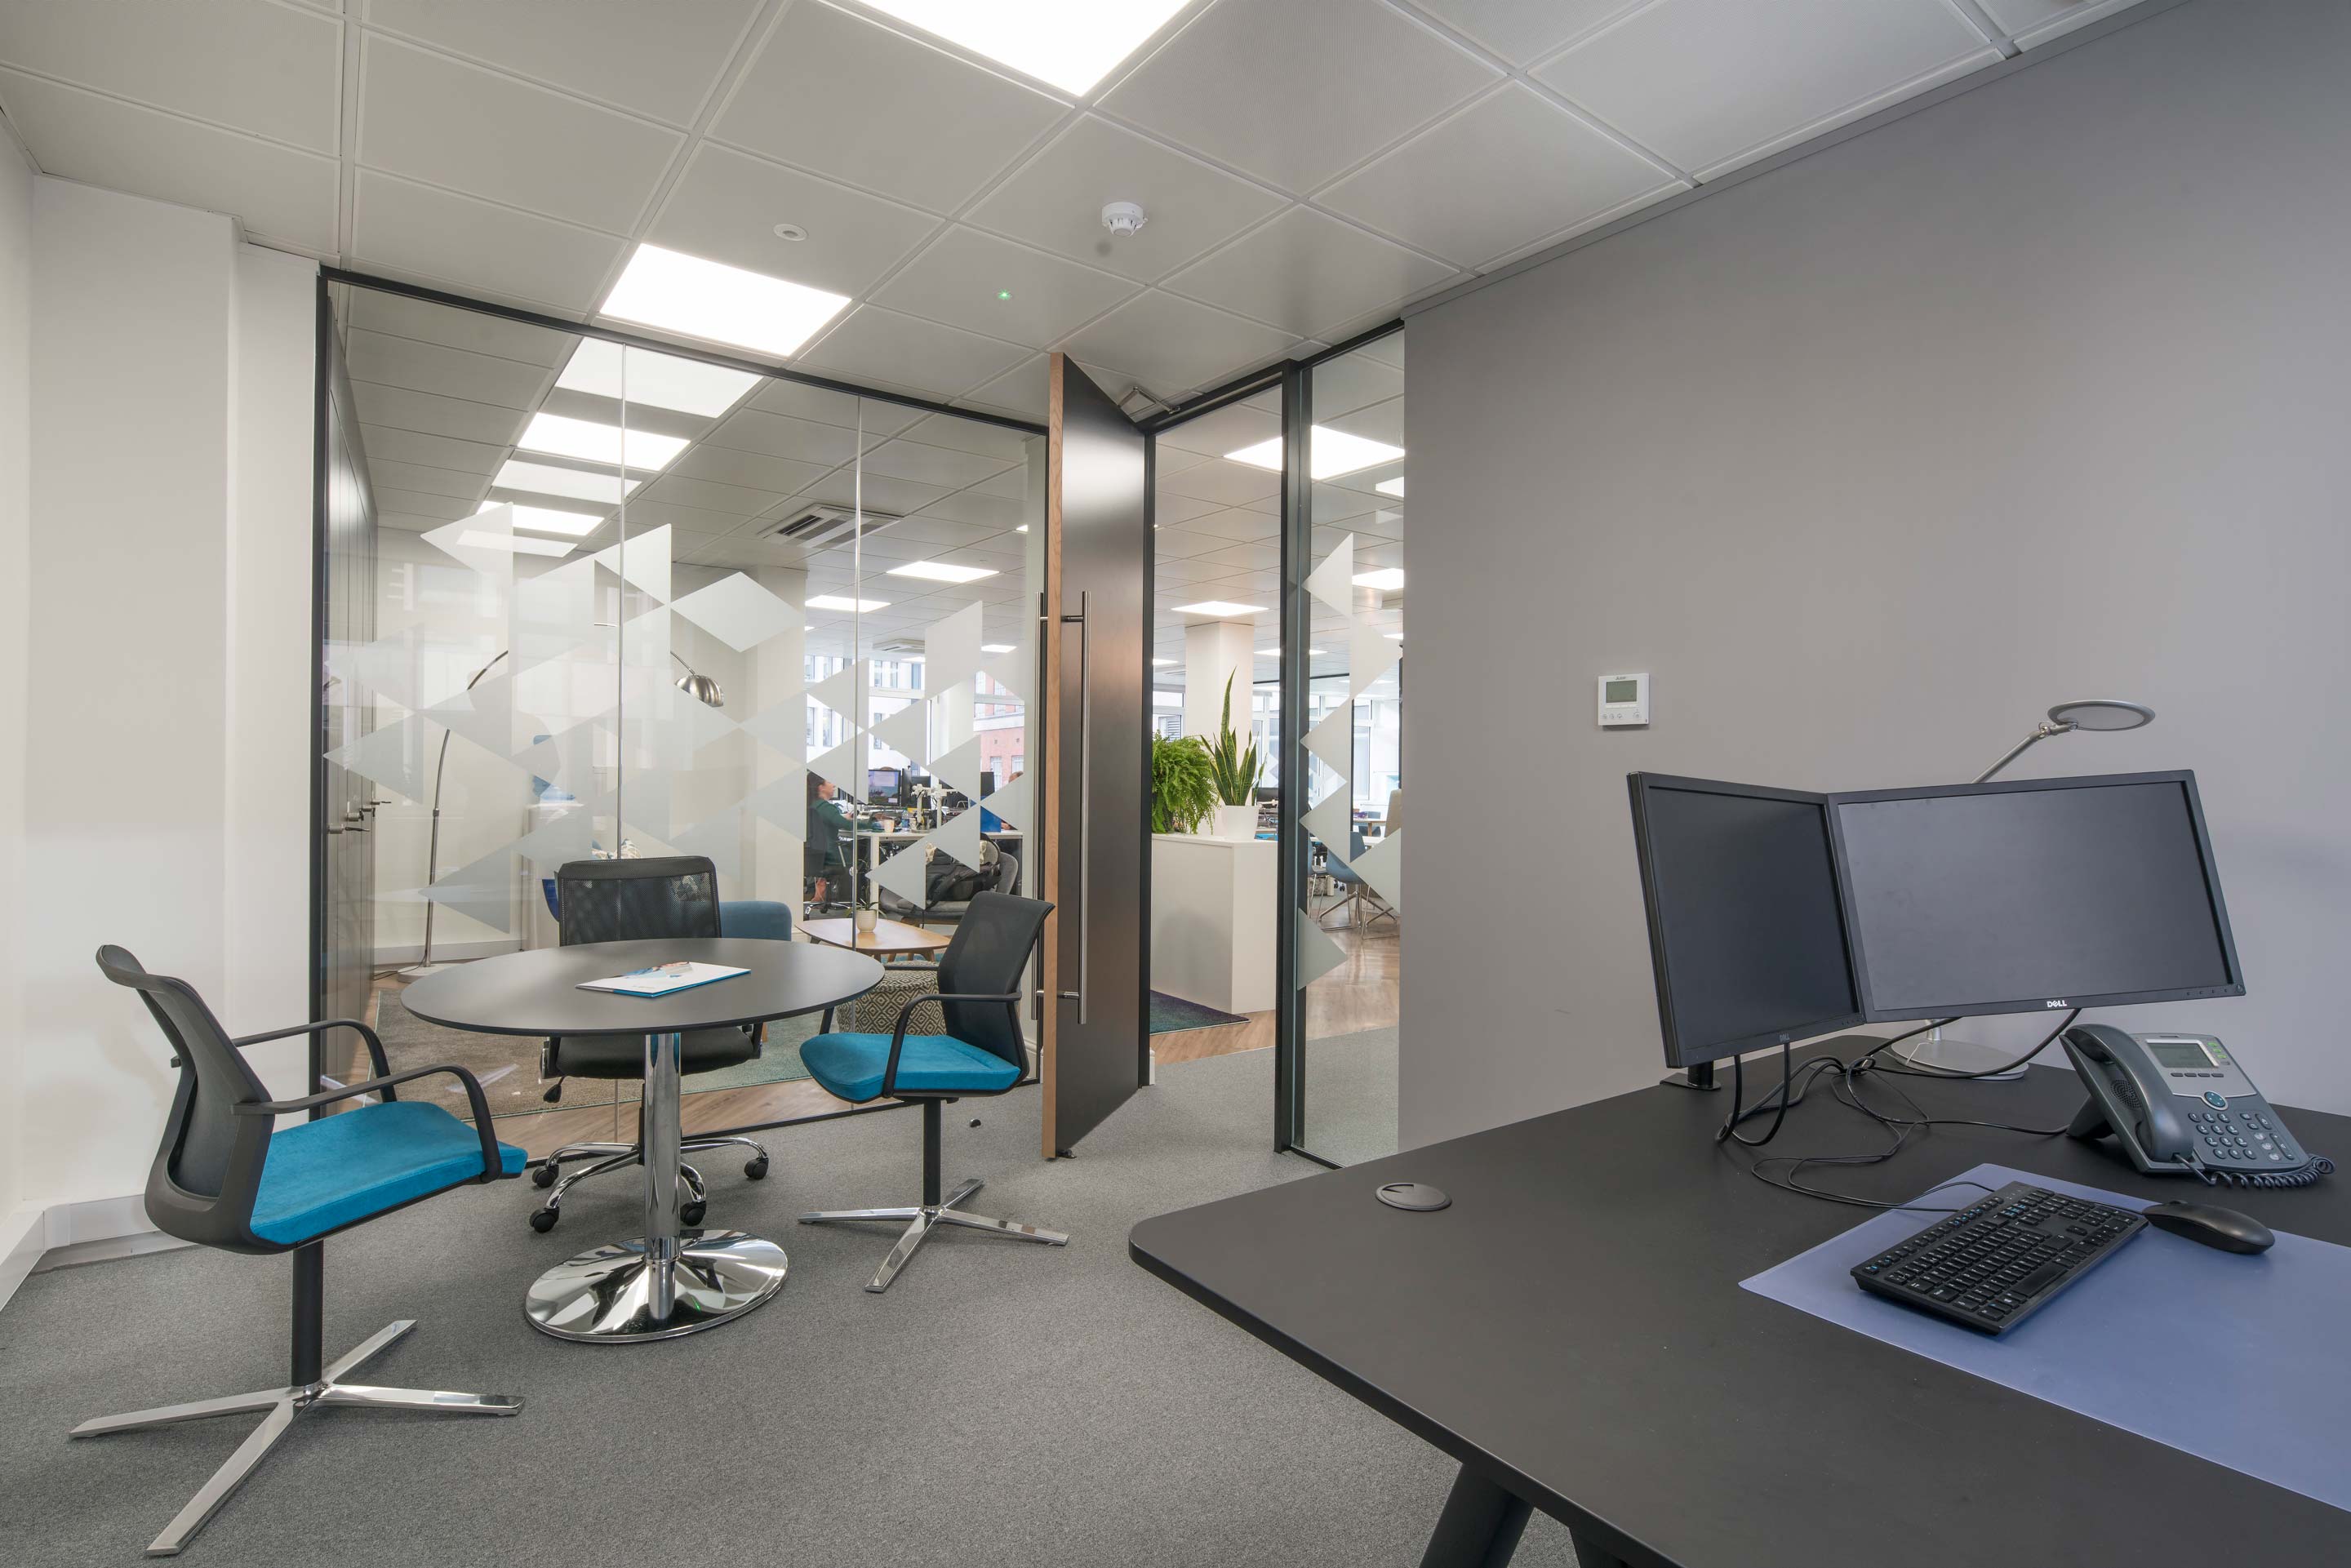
1173,1015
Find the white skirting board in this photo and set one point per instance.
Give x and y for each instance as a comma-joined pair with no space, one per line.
36,1239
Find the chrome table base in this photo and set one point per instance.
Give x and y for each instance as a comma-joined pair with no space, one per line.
921,1220
280,1405
605,1295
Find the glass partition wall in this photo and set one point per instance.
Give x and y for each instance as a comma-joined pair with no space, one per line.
589,599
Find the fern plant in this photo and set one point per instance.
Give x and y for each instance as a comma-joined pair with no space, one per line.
1183,784
1236,769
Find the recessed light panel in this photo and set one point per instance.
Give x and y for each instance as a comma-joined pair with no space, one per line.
997,647
547,519
586,439
699,298
545,479
1387,580
657,381
835,601
1219,607
1159,662
1332,453
514,544
1391,486
939,572
1072,43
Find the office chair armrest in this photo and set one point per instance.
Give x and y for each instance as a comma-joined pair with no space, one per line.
906,1015
478,1103
374,1041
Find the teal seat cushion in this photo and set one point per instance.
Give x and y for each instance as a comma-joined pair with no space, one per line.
327,1173
757,917
850,1065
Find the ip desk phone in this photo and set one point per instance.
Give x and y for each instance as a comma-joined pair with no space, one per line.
2180,1105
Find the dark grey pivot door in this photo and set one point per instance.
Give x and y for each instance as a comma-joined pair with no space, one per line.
1097,746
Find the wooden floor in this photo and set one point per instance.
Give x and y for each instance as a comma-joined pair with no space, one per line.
1360,994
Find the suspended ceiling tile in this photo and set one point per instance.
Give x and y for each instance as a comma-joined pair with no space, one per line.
1306,271
476,331
1295,91
430,118
388,474
417,502
726,205
1055,201
477,244
1171,510
972,435
875,343
752,470
278,192
984,510
1173,344
273,70
432,414
1712,84
780,436
983,283
2032,22
845,97
1351,382
941,466
1176,570
451,373
383,442
644,513
1235,526
660,60
1227,484
683,490
1523,31
1220,430
1507,170
878,417
879,493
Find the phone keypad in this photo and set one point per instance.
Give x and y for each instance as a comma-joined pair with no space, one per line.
2243,1137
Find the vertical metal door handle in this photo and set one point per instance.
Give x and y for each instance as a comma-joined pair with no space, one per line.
1086,800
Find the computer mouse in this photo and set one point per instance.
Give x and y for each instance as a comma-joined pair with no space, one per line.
2211,1224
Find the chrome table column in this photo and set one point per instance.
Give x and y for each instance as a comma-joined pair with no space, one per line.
669,1282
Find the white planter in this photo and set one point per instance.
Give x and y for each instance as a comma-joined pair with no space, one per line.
1236,821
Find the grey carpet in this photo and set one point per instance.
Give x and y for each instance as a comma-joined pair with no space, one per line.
1004,1403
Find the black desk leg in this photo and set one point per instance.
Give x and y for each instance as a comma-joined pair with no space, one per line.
1479,1527
1588,1555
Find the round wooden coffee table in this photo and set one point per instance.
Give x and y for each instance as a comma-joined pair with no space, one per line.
889,938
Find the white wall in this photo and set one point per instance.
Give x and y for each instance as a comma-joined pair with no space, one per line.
15,503
168,612
2037,394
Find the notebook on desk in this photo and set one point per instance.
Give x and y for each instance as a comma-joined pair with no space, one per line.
663,979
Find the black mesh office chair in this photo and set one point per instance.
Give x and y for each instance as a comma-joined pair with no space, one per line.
982,1052
630,901
224,1176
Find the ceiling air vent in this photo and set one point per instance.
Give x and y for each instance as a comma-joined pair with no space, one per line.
820,527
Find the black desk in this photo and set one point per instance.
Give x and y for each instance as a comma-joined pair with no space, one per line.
1573,1330
668,1282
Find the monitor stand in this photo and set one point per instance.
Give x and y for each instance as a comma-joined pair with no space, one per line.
1939,1050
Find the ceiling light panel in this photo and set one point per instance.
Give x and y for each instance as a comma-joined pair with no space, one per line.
1221,608
835,601
1070,44
659,380
595,443
1335,452
545,479
708,299
1387,580
547,519
939,572
1391,486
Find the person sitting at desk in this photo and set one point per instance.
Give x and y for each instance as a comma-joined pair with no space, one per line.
828,857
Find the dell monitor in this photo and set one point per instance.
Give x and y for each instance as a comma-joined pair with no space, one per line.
2032,895
883,784
1747,934
987,781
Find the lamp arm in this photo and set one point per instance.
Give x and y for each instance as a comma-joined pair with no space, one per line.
2040,732
432,844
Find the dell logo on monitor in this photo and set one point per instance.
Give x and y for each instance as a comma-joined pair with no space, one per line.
2056,1002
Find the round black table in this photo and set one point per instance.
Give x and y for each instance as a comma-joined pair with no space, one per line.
668,1282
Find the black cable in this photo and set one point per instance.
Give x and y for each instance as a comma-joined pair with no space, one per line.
1864,1059
1738,1092
1910,1069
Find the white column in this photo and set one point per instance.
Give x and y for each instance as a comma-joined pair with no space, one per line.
1214,650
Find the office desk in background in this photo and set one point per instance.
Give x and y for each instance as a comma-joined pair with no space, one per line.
1573,1330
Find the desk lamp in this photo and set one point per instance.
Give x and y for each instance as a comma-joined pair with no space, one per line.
1938,1050
693,684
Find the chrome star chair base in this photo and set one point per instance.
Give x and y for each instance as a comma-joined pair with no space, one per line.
620,1156
923,1219
280,1406
981,1053
226,1176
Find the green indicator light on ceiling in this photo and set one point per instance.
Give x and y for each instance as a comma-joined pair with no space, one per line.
1004,294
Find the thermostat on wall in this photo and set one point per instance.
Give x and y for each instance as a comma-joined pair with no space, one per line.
1623,701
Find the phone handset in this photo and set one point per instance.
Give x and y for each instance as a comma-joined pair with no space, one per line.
2129,1097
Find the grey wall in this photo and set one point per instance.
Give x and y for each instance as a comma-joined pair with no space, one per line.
2043,392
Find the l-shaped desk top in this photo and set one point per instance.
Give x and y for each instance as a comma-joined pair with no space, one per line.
1572,1330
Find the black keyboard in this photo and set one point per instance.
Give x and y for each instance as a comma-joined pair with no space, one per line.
1990,1266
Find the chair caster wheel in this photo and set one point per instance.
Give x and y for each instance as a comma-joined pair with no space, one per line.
543,1176
543,1219
757,1168
690,1214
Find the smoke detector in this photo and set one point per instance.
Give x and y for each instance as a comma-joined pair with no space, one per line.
1123,218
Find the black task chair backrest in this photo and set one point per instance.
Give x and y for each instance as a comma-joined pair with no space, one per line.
1008,871
637,900
207,1170
991,947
